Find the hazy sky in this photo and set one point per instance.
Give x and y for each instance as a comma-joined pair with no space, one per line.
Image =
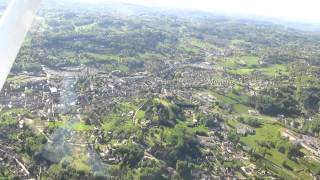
297,10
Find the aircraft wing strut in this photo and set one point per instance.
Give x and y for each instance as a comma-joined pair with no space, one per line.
14,26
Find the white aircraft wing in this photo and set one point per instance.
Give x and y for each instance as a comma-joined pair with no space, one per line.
14,26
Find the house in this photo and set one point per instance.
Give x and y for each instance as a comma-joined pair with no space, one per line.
246,170
195,121
245,130
10,105
21,124
53,90
253,112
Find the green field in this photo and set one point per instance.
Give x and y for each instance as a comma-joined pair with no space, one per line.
242,71
268,71
237,102
76,126
273,159
274,69
249,60
242,62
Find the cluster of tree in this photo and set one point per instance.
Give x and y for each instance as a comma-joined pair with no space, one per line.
282,149
285,165
163,111
29,67
255,156
313,126
182,144
311,100
253,122
131,154
278,101
234,137
266,144
184,169
294,152
210,120
24,143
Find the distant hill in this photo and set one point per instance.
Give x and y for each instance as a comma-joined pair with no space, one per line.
128,8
